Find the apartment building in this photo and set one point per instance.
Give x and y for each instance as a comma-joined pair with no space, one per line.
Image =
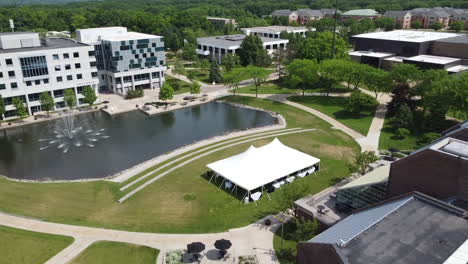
304,15
429,16
30,66
126,60
215,48
402,18
291,15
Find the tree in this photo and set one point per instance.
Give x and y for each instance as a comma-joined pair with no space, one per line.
215,73
459,84
191,75
328,74
385,23
78,21
179,68
362,161
279,57
437,26
189,52
305,229
230,61
303,74
205,65
416,24
233,78
359,101
70,98
290,193
89,95
166,92
322,25
21,110
457,25
258,76
402,133
251,52
404,77
403,117
47,102
2,107
195,88
376,80
320,48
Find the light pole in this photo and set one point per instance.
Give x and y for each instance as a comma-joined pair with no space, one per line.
334,29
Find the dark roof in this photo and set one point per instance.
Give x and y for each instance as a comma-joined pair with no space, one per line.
396,13
52,43
282,12
413,228
309,12
461,39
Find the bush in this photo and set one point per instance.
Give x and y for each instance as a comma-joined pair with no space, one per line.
135,94
403,117
359,101
429,137
398,155
402,133
174,257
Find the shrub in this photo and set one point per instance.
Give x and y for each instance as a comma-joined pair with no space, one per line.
403,117
174,257
135,94
429,137
402,133
359,101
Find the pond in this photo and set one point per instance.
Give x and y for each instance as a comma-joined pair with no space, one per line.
123,141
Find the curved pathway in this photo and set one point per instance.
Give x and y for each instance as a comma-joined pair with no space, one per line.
254,239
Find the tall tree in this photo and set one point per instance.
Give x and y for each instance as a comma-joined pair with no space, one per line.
166,92
459,84
328,74
385,23
377,81
230,61
189,52
89,95
279,58
215,73
258,76
303,74
320,48
195,88
21,110
47,102
251,52
70,98
404,78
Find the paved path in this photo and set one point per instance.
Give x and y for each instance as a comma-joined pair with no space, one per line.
252,239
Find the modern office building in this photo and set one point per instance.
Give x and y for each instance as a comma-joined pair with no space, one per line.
126,60
274,31
215,48
30,66
221,21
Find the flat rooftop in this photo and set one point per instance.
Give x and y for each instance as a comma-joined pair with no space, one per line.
234,40
52,43
408,35
395,59
371,54
276,29
456,40
458,68
129,36
432,59
407,230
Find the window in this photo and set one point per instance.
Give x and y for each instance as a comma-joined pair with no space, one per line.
91,53
69,77
59,79
55,56
79,76
46,81
1,74
155,74
14,85
37,82
76,55
92,64
127,79
58,93
11,74
9,62
2,86
67,67
77,66
94,74
66,56
34,66
28,83
57,68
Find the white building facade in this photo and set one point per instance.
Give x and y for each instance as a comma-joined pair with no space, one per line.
30,66
126,60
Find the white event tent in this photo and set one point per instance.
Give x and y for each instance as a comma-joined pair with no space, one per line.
257,167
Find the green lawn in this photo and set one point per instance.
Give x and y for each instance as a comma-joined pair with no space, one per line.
178,85
20,246
106,252
278,87
286,250
201,75
182,201
334,107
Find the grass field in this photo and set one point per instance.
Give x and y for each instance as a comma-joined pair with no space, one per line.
277,87
334,107
106,252
178,85
182,201
25,247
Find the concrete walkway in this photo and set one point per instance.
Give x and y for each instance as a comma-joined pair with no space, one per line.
254,239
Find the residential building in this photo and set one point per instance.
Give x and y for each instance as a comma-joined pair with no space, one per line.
429,16
126,60
402,18
215,48
221,21
439,169
290,15
427,49
359,14
409,229
30,66
274,31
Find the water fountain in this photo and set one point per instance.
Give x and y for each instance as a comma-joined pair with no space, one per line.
69,131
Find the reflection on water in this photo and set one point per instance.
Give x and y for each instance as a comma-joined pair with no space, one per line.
130,139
